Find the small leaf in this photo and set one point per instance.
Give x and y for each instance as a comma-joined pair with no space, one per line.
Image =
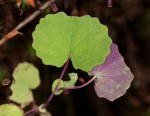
30,3
43,111
19,3
72,81
26,78
60,86
59,37
10,110
113,77
8,36
11,34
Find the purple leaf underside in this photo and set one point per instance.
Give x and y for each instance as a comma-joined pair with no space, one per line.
113,77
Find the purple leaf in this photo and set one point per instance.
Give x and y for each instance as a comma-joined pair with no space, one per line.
113,77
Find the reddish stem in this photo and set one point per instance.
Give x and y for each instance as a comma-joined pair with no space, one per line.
34,108
30,111
83,85
56,89
52,94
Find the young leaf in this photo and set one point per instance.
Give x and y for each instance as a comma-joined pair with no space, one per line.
59,36
54,85
10,110
30,3
19,3
64,84
72,81
113,77
43,111
26,78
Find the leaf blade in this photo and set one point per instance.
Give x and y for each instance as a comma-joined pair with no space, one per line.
71,37
26,78
10,110
113,77
59,84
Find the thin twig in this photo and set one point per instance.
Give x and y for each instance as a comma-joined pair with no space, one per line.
32,16
83,85
34,108
29,18
56,89
30,111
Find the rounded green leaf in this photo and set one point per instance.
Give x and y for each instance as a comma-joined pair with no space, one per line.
26,78
54,85
59,37
10,110
72,81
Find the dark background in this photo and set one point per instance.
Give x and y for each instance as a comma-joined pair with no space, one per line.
128,22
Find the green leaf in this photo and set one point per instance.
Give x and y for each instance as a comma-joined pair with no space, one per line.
59,37
10,110
72,81
26,78
64,84
43,111
54,85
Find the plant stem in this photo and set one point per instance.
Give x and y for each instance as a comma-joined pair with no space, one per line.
32,16
34,108
83,85
56,89
30,111
29,19
64,69
52,94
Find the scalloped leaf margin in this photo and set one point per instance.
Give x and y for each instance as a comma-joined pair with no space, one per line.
26,77
10,110
58,37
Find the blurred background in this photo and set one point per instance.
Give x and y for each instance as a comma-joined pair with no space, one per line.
128,22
